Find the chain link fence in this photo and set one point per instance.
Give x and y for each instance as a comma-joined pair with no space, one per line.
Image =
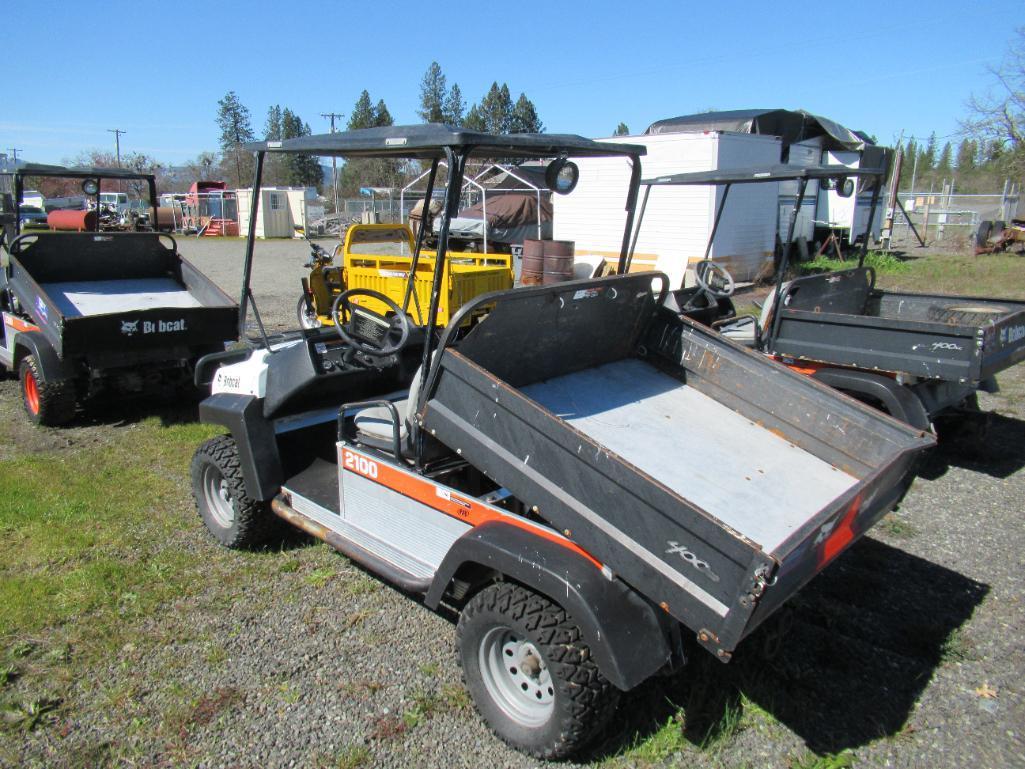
950,218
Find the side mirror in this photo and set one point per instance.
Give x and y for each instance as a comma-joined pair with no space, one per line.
90,186
844,187
561,176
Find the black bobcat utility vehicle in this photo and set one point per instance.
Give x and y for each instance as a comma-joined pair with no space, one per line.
91,311
587,479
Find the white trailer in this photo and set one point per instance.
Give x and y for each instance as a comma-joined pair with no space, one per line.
678,219
847,216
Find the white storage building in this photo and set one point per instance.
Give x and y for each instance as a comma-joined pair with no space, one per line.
284,212
678,220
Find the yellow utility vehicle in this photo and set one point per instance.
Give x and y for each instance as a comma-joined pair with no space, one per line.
379,257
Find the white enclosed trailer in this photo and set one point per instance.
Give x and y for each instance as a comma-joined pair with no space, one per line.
848,216
802,154
679,220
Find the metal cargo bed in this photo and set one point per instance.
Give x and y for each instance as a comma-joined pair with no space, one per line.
842,319
712,480
94,293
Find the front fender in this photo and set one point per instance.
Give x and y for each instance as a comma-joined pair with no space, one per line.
254,436
629,639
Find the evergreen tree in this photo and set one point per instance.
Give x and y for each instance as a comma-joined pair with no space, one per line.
943,166
272,164
272,128
454,107
233,119
524,119
474,119
382,116
432,95
496,109
301,169
362,115
927,156
621,130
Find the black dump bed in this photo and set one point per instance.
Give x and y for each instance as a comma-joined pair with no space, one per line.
711,479
110,292
843,319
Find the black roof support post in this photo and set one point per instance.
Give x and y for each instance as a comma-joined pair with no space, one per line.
871,219
631,207
784,264
637,225
420,235
247,269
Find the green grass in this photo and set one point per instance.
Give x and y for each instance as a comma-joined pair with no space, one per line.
883,264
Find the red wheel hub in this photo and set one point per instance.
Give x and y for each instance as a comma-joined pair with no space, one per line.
31,393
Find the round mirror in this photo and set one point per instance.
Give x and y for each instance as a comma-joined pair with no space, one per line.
844,187
561,176
90,186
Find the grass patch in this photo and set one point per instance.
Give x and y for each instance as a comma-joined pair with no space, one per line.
957,647
995,275
843,760
896,526
349,757
883,264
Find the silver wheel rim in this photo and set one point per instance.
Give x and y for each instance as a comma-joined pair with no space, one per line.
308,318
218,497
516,677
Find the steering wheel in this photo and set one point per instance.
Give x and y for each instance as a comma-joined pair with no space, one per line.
399,321
709,274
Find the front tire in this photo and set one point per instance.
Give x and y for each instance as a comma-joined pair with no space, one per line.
530,675
235,519
306,313
49,403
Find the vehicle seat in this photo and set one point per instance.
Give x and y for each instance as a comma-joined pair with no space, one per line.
374,424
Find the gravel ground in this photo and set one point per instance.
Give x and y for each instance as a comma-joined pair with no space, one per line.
908,651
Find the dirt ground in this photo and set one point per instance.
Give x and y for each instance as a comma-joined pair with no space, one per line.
908,651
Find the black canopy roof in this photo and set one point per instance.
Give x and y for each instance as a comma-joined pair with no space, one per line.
80,172
790,125
776,173
429,140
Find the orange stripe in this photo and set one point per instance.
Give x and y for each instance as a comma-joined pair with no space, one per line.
18,324
444,500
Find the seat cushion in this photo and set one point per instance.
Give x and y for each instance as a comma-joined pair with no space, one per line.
741,332
377,422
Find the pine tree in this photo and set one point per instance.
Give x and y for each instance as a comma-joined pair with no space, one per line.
233,118
927,156
621,130
452,111
965,157
362,115
524,119
496,109
943,165
382,116
301,169
474,119
432,95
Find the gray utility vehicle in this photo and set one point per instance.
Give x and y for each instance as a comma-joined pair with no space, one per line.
583,476
86,311
919,357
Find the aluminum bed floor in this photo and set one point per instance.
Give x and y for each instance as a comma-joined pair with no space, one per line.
748,477
78,299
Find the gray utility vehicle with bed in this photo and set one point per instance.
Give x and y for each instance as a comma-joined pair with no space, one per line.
919,357
89,311
584,477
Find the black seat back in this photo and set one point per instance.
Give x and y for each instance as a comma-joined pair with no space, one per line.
845,292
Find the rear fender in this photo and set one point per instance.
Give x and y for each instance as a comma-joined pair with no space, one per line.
629,639
34,343
898,401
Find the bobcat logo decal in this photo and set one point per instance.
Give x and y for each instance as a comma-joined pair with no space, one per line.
128,328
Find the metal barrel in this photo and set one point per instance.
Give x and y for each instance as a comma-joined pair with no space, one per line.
533,265
78,221
558,261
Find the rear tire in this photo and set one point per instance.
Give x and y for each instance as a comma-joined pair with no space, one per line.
48,403
530,675
235,519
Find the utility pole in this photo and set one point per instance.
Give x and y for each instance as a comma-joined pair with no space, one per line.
334,160
14,151
117,142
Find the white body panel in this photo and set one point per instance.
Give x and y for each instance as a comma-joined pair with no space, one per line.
851,213
678,220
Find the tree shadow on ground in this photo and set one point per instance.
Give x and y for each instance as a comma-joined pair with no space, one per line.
841,665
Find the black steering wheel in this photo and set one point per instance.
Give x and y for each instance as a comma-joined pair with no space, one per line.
376,326
714,279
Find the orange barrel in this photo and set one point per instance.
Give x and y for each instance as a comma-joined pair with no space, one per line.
78,221
558,261
533,265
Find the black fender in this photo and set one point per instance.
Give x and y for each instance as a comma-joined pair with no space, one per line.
628,637
254,435
50,364
899,402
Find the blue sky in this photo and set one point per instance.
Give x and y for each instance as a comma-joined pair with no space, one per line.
156,70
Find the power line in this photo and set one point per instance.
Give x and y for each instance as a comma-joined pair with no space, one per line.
117,142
